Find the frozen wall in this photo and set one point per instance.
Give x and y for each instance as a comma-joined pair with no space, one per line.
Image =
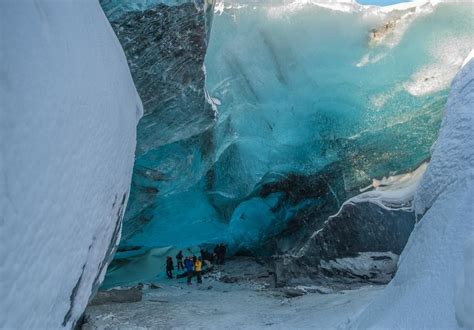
314,100
433,287
165,47
68,119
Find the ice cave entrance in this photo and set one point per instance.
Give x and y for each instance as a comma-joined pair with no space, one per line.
267,125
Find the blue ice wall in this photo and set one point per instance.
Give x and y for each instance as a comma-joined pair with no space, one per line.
312,104
297,97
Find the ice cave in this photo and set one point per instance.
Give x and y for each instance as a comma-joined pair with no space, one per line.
328,144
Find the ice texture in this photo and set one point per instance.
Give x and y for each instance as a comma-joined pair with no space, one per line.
369,231
433,284
115,9
304,125
68,110
165,47
314,99
312,103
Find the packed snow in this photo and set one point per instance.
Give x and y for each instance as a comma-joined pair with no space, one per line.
393,192
69,111
464,300
246,303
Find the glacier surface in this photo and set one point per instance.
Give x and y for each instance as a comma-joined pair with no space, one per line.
68,115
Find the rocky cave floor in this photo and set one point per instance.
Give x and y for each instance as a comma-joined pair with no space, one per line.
240,294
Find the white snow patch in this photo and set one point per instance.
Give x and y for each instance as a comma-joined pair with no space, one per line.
217,305
364,264
391,193
68,112
448,58
464,300
453,155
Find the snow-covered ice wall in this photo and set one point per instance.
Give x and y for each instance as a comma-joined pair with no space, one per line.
433,287
68,116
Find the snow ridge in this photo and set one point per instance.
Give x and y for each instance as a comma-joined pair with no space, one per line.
68,112
453,156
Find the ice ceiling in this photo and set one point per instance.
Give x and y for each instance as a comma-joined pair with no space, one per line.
278,116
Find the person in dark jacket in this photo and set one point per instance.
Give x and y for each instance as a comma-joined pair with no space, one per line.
169,267
189,264
216,253
222,253
205,255
179,260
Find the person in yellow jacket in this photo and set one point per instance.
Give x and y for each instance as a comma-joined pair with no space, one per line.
197,270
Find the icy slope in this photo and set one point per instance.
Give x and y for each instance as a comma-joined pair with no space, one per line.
69,111
433,285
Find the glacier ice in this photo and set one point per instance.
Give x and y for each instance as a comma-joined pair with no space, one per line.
361,241
432,287
253,135
68,110
165,44
313,104
165,47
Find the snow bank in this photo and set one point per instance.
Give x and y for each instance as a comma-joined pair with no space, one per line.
422,294
69,111
453,155
395,192
464,302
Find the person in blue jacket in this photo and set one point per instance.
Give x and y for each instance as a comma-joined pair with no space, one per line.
189,264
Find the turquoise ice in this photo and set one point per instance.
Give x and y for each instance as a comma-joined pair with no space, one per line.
312,104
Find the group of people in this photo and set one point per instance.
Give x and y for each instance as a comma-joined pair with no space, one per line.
193,265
